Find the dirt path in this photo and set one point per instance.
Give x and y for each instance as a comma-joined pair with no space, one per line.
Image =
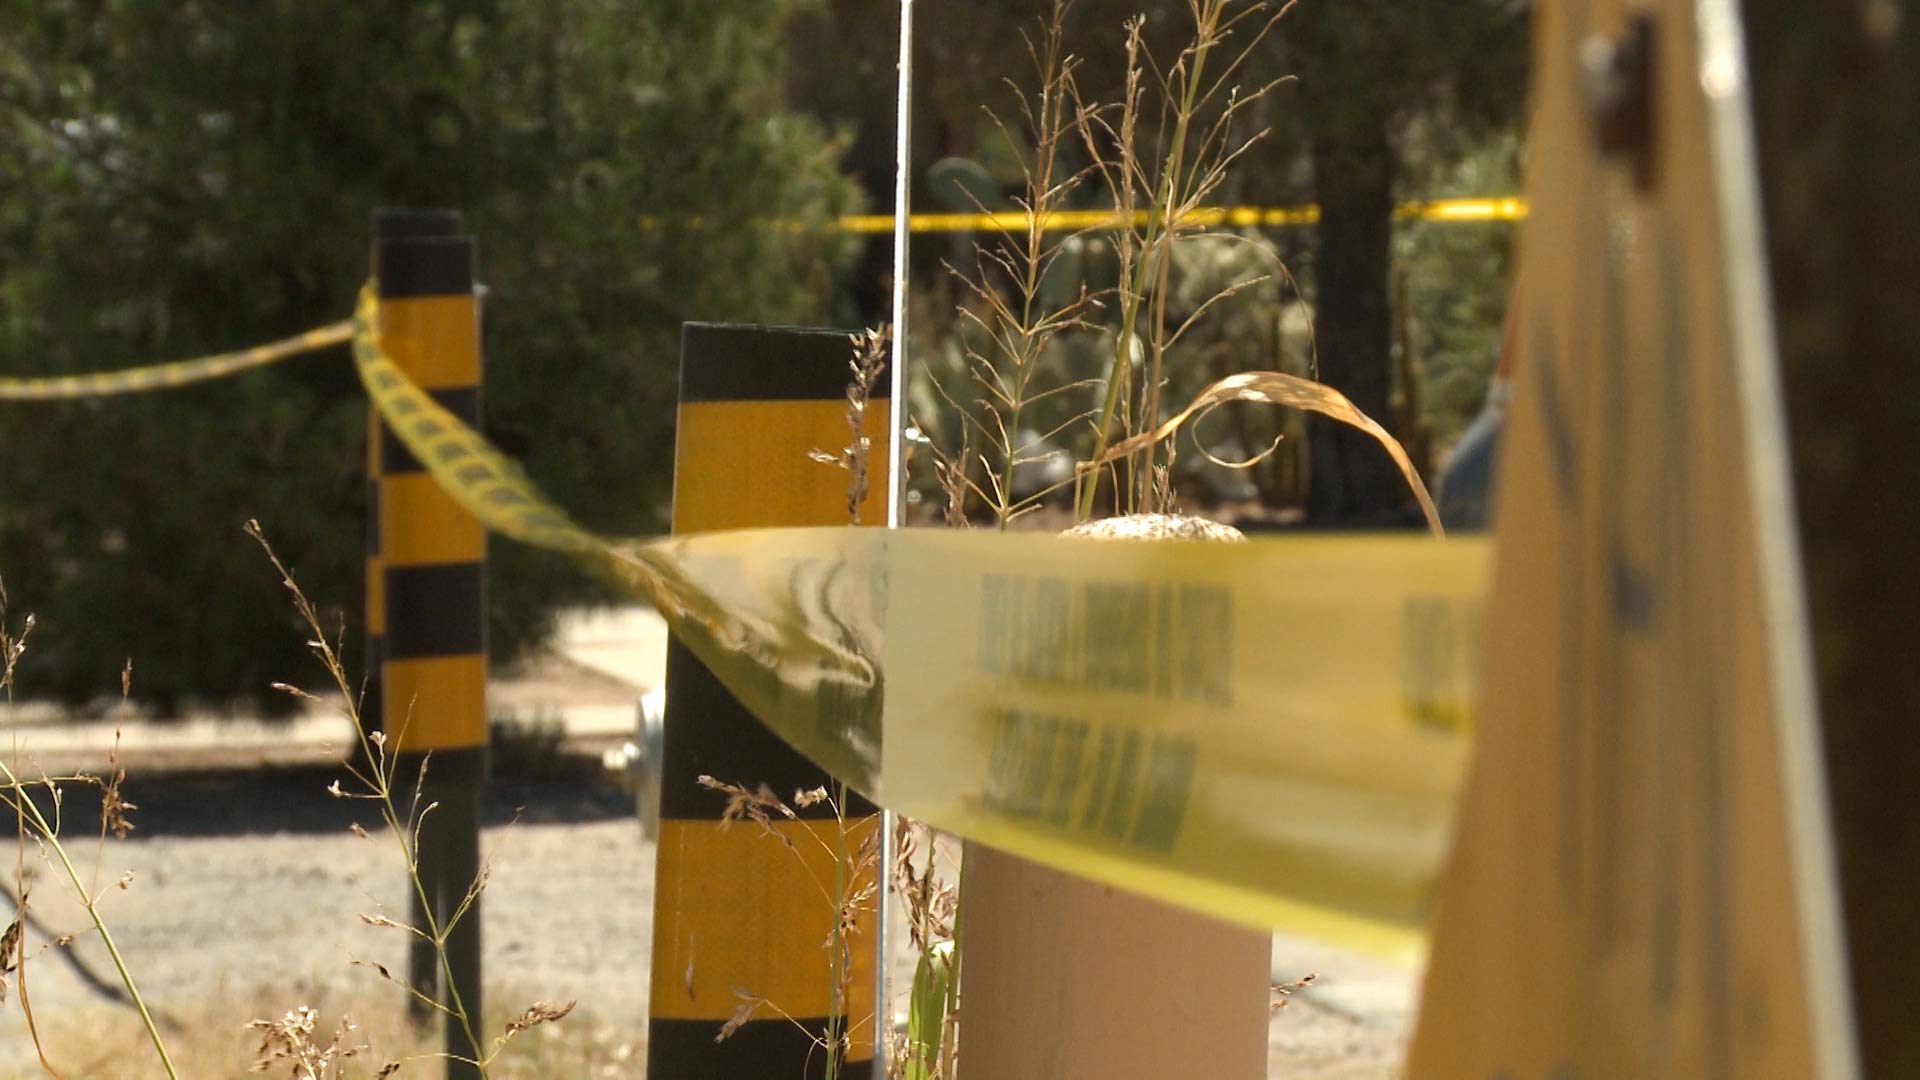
246,892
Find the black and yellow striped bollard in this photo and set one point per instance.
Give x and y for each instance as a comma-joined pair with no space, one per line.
735,910
432,560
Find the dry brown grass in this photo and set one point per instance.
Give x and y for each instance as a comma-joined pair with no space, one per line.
101,1042
314,1052
36,800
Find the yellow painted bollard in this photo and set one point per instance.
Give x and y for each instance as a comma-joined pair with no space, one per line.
735,910
432,560
422,969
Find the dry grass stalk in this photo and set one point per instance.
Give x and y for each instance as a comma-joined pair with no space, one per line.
540,1012
851,894
1196,101
928,1049
869,361
758,805
292,1040
36,828
1007,326
375,771
208,1042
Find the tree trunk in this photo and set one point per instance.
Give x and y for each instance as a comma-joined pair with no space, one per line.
1839,165
1352,482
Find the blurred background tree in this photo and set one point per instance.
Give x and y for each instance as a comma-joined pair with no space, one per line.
1392,96
184,178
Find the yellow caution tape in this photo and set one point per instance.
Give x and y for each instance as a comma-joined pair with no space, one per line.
1502,208
1272,733
177,373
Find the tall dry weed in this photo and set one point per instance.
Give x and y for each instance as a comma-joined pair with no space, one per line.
403,813
36,800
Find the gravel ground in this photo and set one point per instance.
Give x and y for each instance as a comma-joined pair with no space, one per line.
247,886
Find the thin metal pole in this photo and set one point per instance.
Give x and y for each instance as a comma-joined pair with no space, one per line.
902,208
896,496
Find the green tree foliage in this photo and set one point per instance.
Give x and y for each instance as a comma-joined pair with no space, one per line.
186,178
1459,278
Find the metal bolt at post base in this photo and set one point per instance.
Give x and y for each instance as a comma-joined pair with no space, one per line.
432,561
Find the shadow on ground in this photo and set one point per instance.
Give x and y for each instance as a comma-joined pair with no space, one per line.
267,800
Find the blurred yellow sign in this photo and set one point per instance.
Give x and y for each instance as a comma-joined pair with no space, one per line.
1491,208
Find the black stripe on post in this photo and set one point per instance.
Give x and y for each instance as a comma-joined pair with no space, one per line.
436,610
424,266
726,362
461,401
372,706
686,1049
750,755
456,766
373,515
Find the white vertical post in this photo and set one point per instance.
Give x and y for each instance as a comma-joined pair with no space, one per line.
896,496
902,184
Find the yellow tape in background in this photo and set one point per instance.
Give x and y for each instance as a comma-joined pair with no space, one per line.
177,373
183,372
1499,208
1272,733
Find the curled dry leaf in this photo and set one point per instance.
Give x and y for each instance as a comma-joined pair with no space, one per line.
1279,388
749,1004
540,1012
378,968
1282,991
743,805
114,806
9,950
293,691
